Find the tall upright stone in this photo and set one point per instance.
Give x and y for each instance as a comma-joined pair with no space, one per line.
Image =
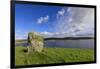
36,41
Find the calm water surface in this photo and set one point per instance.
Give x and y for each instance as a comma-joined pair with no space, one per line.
82,43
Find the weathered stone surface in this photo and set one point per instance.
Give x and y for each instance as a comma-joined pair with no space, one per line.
36,42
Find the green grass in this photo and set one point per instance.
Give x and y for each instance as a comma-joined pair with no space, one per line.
23,40
52,55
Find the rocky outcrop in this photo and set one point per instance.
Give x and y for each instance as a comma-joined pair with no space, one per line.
36,41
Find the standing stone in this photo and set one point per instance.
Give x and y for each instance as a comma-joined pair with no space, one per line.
36,42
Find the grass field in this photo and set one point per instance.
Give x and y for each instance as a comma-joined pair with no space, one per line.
52,55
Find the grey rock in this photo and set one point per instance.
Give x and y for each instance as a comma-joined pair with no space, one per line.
36,41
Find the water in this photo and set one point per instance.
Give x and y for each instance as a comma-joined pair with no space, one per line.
82,43
85,43
22,43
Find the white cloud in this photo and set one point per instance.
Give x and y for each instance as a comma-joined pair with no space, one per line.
43,19
20,37
20,34
53,34
60,12
46,33
73,22
76,21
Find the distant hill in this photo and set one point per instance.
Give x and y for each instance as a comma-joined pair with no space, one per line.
20,40
58,38
71,38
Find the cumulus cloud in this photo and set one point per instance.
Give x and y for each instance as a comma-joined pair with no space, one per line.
71,22
53,34
60,13
43,19
47,33
76,21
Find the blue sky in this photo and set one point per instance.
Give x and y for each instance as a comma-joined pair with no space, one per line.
53,21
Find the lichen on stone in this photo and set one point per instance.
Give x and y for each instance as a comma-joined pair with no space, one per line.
36,41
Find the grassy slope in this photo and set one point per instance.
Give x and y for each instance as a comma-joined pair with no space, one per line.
52,55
